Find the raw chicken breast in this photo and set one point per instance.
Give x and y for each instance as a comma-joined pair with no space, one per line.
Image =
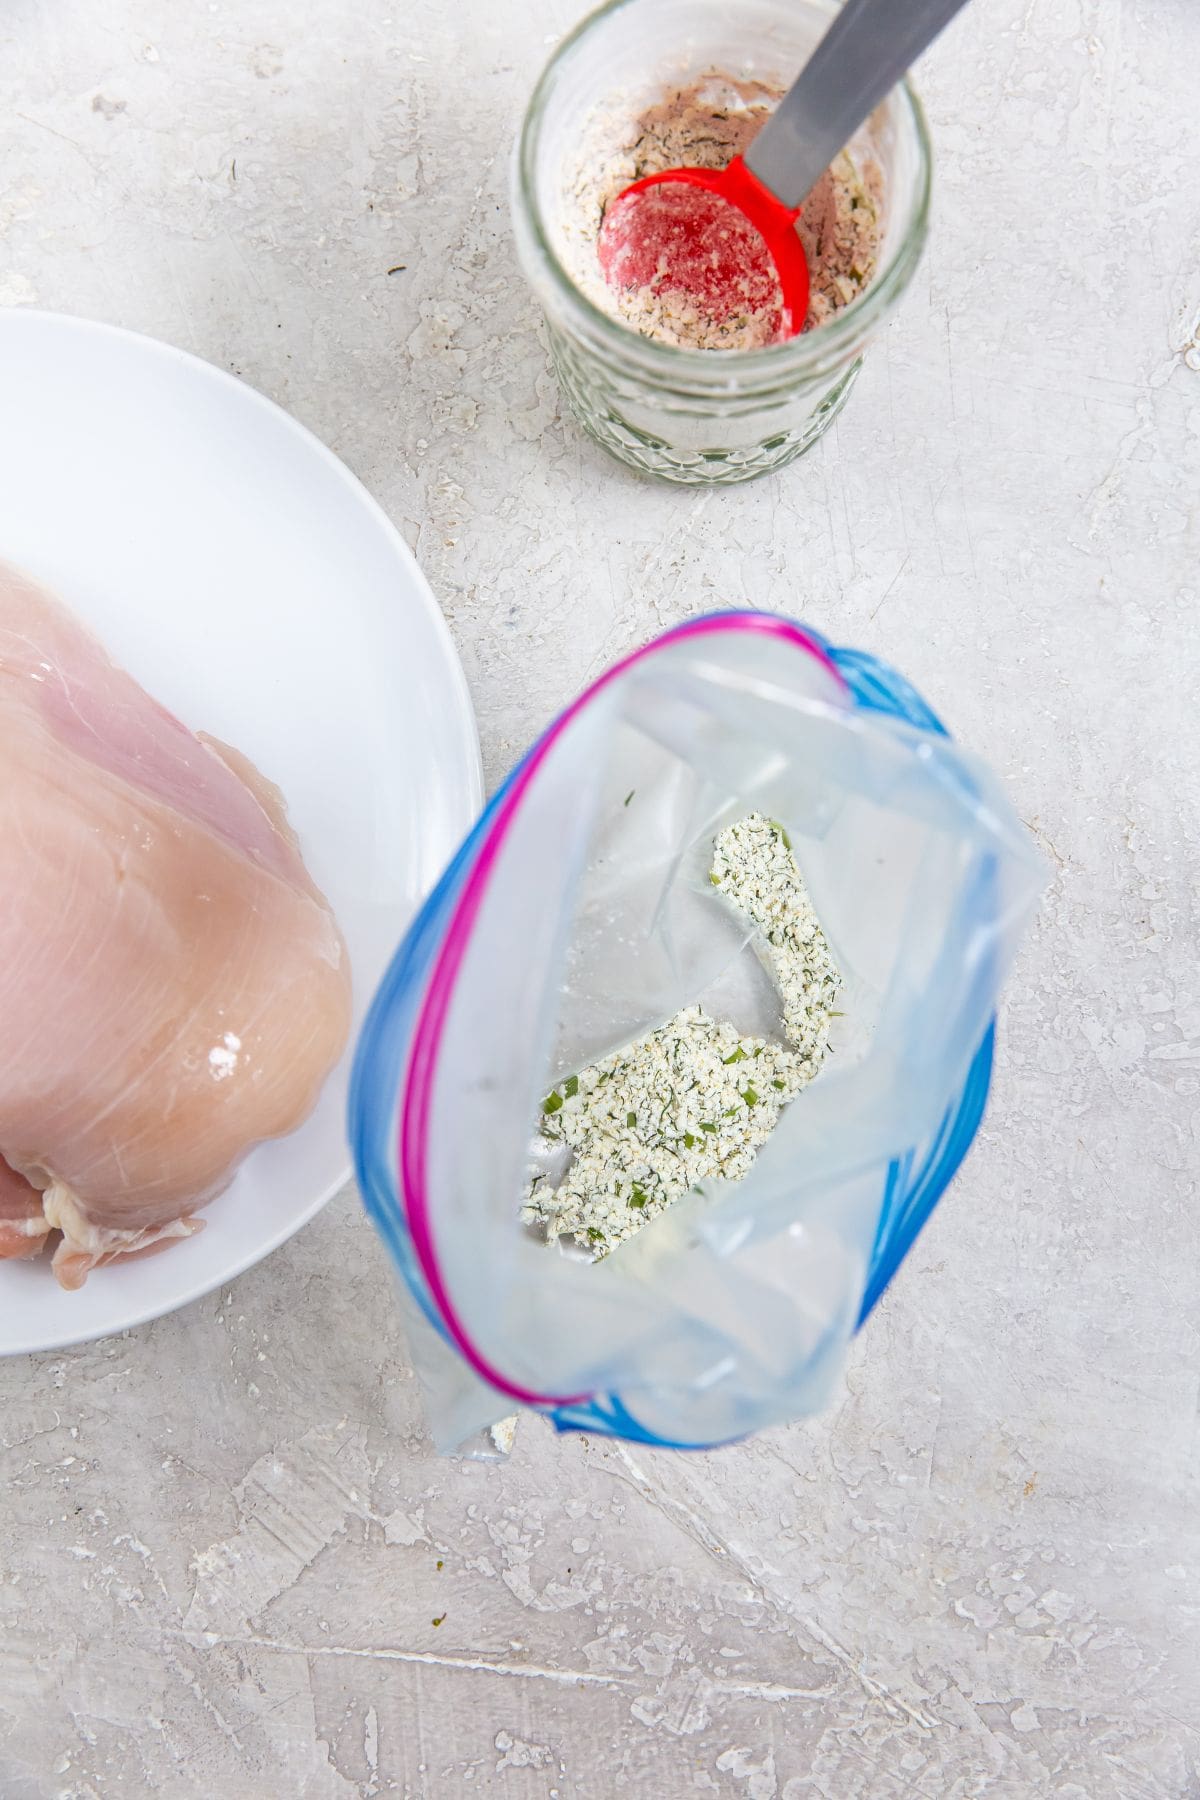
24,1226
173,987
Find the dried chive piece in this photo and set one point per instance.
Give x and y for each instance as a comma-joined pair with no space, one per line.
597,1237
631,1120
738,1056
705,1127
571,1086
778,1084
750,1097
629,795
552,1103
689,1142
638,1198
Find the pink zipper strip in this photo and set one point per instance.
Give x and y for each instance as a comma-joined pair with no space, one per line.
426,1042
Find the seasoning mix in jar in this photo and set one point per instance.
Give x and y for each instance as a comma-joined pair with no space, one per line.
647,85
704,125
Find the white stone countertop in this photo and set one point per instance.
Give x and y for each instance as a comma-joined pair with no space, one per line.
224,1539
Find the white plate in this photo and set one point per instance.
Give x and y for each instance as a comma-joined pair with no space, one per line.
250,583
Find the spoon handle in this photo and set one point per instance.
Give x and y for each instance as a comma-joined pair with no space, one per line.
862,56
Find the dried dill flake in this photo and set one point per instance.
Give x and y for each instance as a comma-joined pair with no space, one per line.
653,1120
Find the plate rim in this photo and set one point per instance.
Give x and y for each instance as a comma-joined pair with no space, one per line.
144,342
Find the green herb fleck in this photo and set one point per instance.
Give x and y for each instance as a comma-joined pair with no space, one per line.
631,1120
441,1565
714,878
439,1618
629,795
552,1103
780,833
571,1086
638,1198
778,1084
597,1237
739,1055
750,1097
705,1127
689,1142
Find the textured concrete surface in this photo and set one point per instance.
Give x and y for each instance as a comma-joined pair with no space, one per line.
225,1546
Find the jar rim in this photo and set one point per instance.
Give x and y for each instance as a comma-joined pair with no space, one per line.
807,353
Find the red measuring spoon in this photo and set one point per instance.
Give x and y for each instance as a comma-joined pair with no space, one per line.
725,240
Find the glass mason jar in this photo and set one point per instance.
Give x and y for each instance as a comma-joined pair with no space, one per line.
701,417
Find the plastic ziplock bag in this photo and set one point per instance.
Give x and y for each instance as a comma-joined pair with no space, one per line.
577,916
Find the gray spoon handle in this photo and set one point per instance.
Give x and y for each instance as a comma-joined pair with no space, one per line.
862,56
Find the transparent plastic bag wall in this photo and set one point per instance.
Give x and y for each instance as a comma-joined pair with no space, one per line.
578,916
